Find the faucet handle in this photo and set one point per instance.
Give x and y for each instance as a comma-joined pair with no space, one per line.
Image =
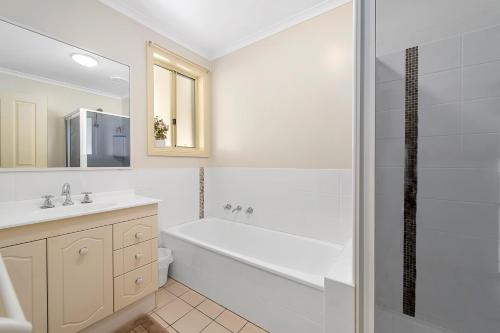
249,210
227,206
47,203
86,197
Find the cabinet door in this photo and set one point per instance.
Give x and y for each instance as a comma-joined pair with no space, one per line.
80,271
26,264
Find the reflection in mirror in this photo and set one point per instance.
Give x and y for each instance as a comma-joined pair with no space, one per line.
60,106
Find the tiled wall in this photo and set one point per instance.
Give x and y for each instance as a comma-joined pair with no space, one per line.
176,187
458,182
307,202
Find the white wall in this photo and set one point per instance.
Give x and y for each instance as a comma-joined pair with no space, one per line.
286,101
307,202
458,188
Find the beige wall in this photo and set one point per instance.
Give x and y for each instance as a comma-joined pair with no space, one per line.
60,101
282,102
93,26
286,101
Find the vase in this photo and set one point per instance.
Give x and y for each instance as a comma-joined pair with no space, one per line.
160,143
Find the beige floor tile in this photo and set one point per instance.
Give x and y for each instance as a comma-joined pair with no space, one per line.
170,329
251,328
193,322
193,298
177,288
159,320
163,297
174,310
210,308
231,321
215,327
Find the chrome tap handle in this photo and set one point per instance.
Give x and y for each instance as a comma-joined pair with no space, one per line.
47,203
227,206
249,210
86,198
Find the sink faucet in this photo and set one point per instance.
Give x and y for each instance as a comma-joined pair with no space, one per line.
66,190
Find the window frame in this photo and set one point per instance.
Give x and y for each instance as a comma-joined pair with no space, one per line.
157,55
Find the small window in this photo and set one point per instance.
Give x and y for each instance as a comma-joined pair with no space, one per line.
177,105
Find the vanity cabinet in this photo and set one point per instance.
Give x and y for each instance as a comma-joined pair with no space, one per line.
80,279
71,273
26,264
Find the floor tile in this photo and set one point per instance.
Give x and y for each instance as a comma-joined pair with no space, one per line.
193,322
163,297
251,328
176,288
174,310
210,308
231,321
215,327
193,298
159,320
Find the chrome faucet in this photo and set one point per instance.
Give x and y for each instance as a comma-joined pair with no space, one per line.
237,209
66,190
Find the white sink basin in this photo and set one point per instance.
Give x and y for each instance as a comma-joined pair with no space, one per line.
17,213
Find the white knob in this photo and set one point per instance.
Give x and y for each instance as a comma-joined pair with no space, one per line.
138,280
138,235
138,256
83,251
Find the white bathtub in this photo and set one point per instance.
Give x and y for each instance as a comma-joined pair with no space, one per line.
271,278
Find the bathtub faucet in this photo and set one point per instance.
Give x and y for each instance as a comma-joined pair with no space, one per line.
237,209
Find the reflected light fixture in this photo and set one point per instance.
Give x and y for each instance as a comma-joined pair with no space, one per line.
84,60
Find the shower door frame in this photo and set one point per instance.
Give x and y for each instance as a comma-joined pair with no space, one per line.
364,163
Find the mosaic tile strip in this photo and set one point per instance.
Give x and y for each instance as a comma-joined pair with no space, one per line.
202,193
410,181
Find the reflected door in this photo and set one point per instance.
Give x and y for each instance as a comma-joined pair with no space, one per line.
23,131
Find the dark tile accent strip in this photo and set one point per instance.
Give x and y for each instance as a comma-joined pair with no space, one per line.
202,193
410,181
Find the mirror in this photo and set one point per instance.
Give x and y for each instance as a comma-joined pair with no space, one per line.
60,106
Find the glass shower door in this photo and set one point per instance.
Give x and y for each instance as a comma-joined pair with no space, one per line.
437,167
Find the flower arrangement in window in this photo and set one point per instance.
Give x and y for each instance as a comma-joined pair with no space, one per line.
161,130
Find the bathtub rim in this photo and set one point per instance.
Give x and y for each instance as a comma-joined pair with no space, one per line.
309,280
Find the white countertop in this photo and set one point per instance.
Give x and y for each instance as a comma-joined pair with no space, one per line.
19,213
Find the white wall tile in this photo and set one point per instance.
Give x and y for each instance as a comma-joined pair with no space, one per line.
439,151
443,119
390,152
306,202
7,187
439,56
390,67
481,81
476,185
439,88
481,116
390,124
390,96
482,46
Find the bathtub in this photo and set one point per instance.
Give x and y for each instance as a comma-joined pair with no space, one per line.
273,279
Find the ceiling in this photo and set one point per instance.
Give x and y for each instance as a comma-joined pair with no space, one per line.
217,27
35,56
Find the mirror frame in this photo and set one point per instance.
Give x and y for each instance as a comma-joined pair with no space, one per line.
58,169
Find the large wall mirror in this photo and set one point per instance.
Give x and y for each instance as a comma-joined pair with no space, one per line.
60,106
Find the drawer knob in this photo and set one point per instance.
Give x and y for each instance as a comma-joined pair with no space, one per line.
138,280
139,235
83,251
138,256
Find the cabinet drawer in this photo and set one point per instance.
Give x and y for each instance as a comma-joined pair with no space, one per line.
135,256
134,232
136,284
